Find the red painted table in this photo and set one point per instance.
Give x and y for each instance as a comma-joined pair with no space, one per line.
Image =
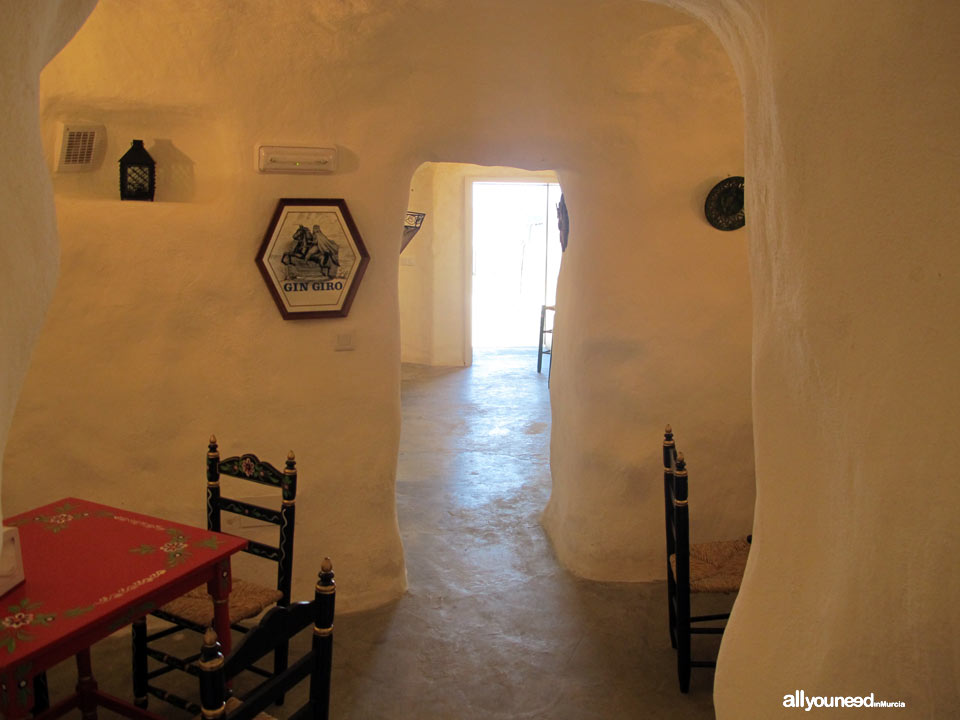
91,569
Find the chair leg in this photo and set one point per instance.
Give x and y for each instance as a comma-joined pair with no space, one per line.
140,662
671,593
280,656
683,639
543,320
683,658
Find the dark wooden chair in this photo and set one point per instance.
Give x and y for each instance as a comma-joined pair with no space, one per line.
194,611
545,348
711,567
279,625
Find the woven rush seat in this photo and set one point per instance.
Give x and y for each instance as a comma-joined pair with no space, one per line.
716,567
247,600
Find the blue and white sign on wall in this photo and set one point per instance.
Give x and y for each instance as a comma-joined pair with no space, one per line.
312,258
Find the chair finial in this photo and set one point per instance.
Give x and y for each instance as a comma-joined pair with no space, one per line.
668,430
210,637
291,456
213,439
325,582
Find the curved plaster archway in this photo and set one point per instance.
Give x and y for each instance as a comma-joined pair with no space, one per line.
650,119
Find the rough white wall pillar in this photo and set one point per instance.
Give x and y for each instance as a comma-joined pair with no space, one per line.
30,34
851,118
653,321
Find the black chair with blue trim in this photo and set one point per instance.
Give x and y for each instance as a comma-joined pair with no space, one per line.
194,611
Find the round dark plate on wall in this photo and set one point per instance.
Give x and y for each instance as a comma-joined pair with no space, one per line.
724,206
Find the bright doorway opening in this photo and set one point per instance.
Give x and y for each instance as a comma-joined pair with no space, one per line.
516,260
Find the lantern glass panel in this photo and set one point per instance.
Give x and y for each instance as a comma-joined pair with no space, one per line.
138,179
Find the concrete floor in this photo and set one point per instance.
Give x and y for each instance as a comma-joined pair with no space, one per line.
491,626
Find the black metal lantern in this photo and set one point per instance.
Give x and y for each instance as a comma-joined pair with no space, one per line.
138,173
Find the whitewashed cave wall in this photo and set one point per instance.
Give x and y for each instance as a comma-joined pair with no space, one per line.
850,125
851,115
31,34
161,330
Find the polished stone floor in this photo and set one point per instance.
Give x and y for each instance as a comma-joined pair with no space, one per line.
491,626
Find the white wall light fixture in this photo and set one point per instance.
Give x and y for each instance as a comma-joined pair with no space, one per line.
282,159
79,147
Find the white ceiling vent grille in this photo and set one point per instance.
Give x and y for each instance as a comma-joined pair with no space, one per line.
79,147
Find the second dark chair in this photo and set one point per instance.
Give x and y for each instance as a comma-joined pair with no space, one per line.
277,626
194,611
711,567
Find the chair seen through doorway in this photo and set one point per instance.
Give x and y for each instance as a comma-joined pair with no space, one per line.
545,344
711,567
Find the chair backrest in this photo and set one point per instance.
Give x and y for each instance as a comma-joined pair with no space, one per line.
677,511
250,467
278,626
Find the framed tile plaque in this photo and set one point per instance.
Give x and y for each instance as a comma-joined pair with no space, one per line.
312,258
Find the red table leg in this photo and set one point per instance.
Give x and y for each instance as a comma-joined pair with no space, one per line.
219,588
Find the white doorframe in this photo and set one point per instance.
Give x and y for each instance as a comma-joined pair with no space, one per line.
542,178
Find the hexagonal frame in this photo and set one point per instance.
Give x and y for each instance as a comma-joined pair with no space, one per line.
312,258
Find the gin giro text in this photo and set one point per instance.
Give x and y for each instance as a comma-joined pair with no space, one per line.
316,285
